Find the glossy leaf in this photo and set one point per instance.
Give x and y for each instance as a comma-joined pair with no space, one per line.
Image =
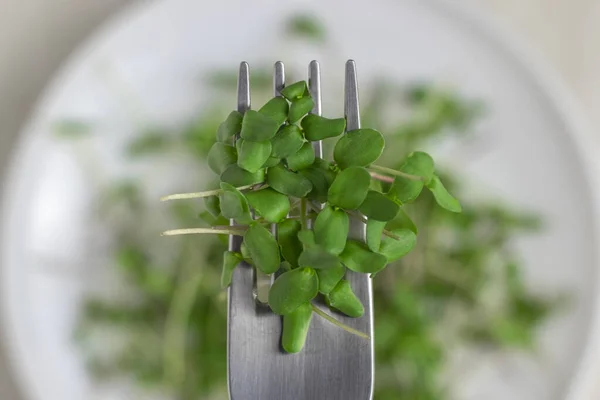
402,220
318,128
394,249
350,188
343,299
230,261
374,234
303,158
359,147
442,197
331,229
320,183
221,156
288,182
307,238
234,205
287,237
230,127
269,204
236,176
295,328
257,127
357,257
212,205
295,90
277,109
287,141
253,155
299,108
418,164
318,258
292,289
271,162
329,278
263,248
377,206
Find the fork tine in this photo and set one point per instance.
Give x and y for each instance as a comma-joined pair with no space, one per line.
351,108
314,86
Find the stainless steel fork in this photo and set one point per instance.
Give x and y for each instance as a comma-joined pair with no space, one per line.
334,364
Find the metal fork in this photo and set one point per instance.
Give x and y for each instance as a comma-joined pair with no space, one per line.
334,364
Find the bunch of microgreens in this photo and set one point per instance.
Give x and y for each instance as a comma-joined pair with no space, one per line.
271,169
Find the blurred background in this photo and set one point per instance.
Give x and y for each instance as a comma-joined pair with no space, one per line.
106,105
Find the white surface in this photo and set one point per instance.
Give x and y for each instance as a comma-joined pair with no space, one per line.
161,67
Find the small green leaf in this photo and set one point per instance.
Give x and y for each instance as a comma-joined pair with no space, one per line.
320,184
359,147
288,182
394,249
257,127
343,299
331,229
299,108
221,156
295,328
307,237
212,205
319,128
287,141
230,261
271,162
230,127
329,278
442,197
377,206
303,158
234,205
292,289
269,204
327,169
295,90
306,26
236,176
374,234
350,188
402,220
277,109
263,248
287,236
357,257
318,259
419,164
253,155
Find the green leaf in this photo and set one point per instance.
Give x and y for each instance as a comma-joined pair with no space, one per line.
150,142
236,176
303,158
234,205
295,328
230,127
377,206
331,229
221,156
287,141
269,204
230,261
287,236
374,234
320,183
402,220
299,108
306,26
292,289
359,147
442,197
257,127
394,249
263,248
253,155
277,109
329,278
319,128
343,299
318,259
350,188
295,90
357,257
212,205
288,182
419,164
271,162
307,238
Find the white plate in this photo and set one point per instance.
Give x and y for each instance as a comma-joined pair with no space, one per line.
158,50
